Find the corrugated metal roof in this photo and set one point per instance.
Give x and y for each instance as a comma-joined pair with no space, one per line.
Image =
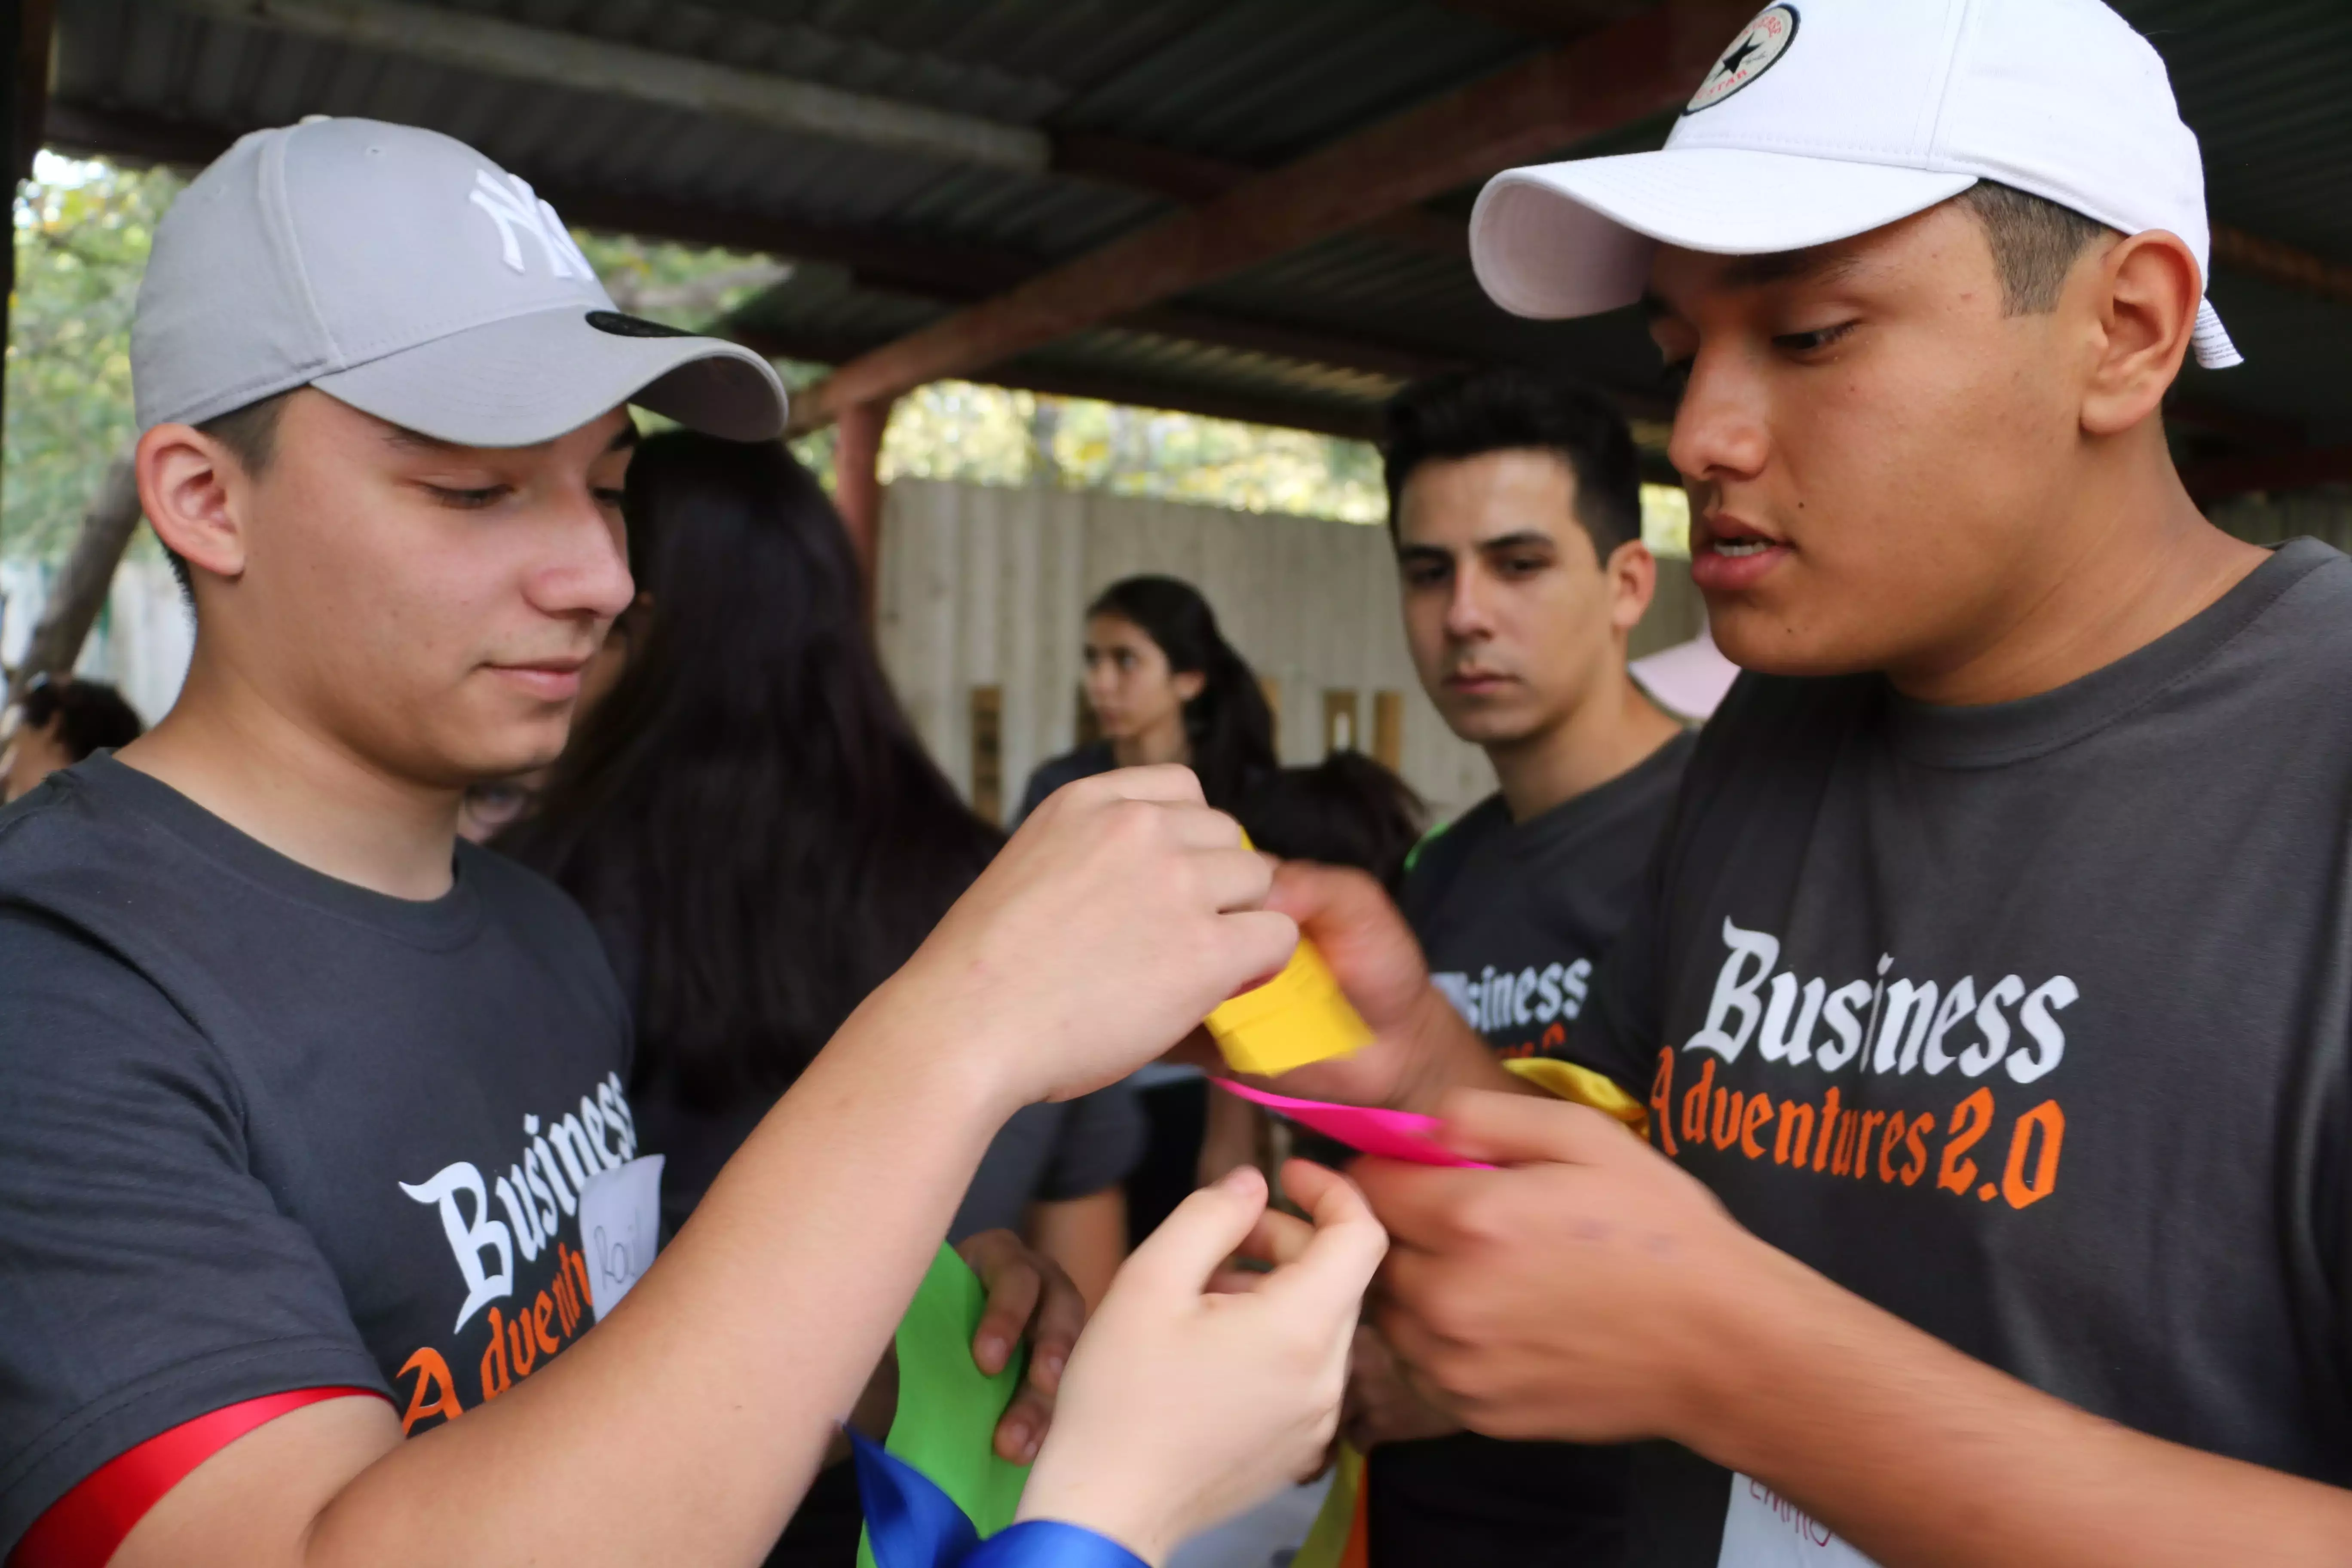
1249,82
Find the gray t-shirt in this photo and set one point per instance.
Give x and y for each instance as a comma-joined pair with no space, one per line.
266,1130
2029,1023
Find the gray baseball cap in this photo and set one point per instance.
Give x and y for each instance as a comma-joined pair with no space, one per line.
402,272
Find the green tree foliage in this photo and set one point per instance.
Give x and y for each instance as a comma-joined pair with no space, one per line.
81,232
955,430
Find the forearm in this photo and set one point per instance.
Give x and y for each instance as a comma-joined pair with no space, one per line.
1924,1457
686,1426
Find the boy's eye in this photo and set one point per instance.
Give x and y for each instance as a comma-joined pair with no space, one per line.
1677,377
467,500
1812,342
608,496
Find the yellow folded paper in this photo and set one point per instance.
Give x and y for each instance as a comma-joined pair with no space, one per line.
1298,1017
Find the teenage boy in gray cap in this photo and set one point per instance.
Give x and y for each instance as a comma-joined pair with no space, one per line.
1993,1001
317,1127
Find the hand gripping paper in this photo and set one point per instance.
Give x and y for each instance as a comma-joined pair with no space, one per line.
1298,1017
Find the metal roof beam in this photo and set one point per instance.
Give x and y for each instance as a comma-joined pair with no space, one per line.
933,269
1192,179
468,42
1630,72
576,63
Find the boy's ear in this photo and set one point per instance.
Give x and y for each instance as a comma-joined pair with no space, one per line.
2147,290
1633,583
194,494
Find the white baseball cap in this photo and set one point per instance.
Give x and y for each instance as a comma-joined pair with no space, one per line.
402,272
1826,118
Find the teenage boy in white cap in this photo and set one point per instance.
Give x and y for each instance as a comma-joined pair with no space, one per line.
317,1130
1993,1001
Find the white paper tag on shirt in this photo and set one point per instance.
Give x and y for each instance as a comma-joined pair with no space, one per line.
620,1227
1761,1529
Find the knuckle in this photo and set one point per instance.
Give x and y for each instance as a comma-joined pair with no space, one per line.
1482,1217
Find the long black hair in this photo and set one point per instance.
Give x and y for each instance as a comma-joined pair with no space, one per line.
748,816
1228,725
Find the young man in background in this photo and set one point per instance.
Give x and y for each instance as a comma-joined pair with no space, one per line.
1992,998
1515,505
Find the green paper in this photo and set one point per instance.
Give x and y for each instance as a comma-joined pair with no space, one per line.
949,1408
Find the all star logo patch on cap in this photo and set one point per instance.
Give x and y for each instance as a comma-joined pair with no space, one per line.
1759,44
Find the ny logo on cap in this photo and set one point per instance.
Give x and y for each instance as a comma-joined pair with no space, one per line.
514,207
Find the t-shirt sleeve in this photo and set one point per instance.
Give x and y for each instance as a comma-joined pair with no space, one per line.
1100,1142
147,1277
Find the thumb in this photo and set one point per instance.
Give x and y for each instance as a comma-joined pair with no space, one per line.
1523,1129
1177,1260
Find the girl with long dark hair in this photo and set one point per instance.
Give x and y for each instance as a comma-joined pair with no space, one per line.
1165,686
760,839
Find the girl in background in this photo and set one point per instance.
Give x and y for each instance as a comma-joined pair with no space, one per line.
1165,686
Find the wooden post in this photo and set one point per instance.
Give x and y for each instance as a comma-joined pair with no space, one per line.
858,485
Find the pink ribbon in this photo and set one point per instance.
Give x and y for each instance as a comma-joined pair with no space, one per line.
1388,1134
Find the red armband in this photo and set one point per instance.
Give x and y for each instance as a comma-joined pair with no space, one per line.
83,1528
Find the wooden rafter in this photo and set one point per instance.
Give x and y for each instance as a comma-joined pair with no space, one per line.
2285,265
1624,74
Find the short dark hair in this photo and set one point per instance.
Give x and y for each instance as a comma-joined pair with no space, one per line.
2035,243
250,433
1471,412
1347,810
89,714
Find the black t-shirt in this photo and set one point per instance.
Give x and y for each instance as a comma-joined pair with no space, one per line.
2029,1024
268,1131
1513,919
1084,762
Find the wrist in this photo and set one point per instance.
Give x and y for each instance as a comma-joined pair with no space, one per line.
899,1029
1445,1054
1751,1333
1107,1508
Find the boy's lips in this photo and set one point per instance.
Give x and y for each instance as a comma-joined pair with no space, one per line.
552,679
1728,556
1476,682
